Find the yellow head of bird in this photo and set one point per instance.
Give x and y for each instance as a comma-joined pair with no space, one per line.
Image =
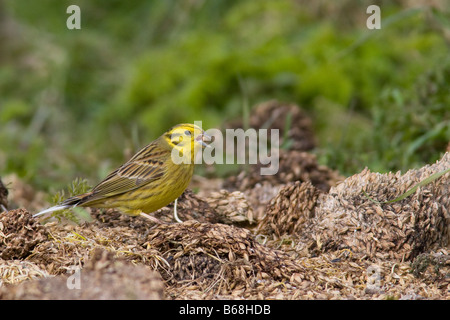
186,140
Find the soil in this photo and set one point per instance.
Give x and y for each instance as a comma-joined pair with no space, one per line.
305,233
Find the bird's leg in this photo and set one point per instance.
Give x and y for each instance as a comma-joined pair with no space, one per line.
175,215
151,218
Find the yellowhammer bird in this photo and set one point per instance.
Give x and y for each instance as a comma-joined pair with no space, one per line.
154,177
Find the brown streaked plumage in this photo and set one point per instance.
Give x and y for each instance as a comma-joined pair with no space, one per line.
154,177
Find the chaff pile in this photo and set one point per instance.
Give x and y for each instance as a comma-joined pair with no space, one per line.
19,234
347,218
218,257
232,207
287,213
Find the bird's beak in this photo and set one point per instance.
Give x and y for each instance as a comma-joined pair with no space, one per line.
202,139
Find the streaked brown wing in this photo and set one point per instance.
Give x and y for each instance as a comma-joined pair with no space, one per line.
146,166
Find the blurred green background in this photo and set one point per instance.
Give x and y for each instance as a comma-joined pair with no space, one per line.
79,102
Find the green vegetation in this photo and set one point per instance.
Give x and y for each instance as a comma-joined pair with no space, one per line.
79,102
77,214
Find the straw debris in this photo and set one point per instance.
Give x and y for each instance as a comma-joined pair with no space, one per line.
16,271
104,277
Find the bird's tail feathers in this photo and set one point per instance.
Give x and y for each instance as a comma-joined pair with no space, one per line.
54,208
66,204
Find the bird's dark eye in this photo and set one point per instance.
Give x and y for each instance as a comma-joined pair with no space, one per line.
187,132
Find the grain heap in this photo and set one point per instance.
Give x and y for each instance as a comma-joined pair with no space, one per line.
217,257
232,207
287,213
293,166
346,218
259,196
296,137
73,245
295,127
19,234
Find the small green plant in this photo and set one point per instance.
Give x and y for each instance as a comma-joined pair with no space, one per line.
424,260
75,214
